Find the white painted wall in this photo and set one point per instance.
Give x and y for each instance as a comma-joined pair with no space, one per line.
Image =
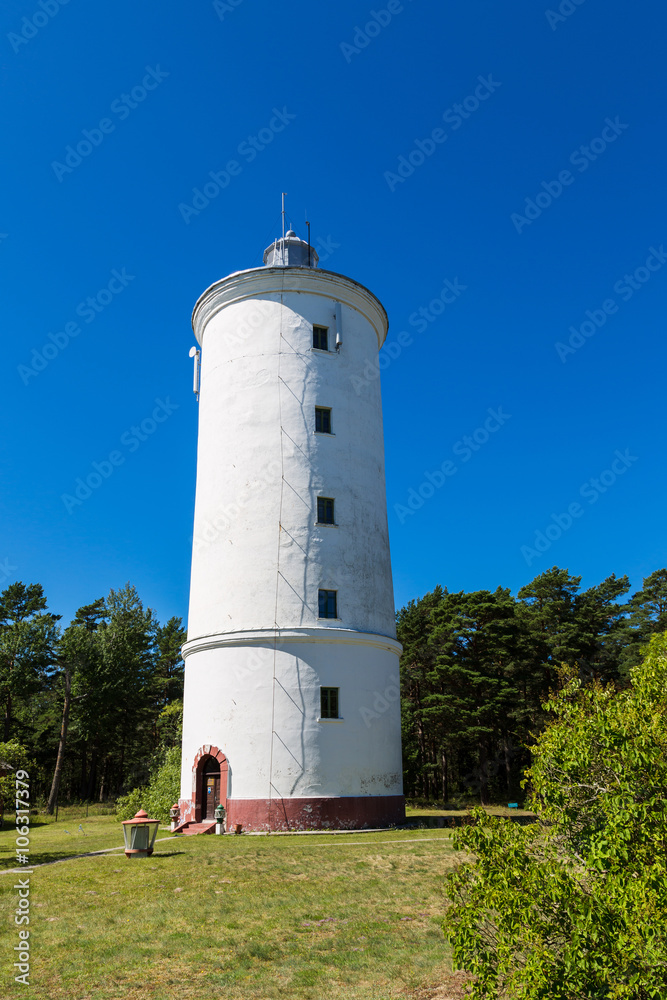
232,688
260,464
251,383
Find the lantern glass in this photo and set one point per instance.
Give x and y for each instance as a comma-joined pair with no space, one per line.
152,831
139,835
139,838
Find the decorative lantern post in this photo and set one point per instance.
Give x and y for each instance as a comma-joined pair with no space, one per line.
174,816
139,834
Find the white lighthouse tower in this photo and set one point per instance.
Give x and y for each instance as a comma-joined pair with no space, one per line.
291,712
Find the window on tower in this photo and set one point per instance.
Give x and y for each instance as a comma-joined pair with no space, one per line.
329,703
325,510
320,338
328,604
322,420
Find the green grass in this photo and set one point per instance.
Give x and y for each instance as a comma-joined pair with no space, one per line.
74,833
356,916
414,814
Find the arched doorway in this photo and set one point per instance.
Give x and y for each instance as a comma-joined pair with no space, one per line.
211,789
211,771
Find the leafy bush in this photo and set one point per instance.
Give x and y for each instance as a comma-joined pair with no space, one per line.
159,795
169,724
129,805
16,755
575,907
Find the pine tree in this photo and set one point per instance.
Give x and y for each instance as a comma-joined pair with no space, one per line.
27,637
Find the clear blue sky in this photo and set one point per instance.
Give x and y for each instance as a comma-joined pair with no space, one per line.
532,91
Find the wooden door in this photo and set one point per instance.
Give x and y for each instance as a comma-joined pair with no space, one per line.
211,795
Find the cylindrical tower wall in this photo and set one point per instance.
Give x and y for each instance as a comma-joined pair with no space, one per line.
238,703
258,654
259,555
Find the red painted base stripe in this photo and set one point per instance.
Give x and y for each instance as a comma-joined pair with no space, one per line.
316,813
341,813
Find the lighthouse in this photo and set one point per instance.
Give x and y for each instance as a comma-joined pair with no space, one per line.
291,706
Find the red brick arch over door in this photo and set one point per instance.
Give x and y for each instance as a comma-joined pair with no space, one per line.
205,755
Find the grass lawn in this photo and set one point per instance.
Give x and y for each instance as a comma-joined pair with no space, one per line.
416,814
354,916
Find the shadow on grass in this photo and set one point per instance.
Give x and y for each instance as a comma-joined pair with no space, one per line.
51,857
7,826
449,822
45,858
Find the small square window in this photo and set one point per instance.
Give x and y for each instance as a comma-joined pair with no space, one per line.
322,420
325,510
328,604
329,703
320,338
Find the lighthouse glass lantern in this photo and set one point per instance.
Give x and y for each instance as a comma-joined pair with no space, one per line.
139,834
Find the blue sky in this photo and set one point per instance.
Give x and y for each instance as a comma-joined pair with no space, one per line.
540,199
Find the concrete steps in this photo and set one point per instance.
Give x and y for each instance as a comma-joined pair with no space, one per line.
192,829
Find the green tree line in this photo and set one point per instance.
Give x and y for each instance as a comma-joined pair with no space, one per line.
97,703
92,703
478,667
